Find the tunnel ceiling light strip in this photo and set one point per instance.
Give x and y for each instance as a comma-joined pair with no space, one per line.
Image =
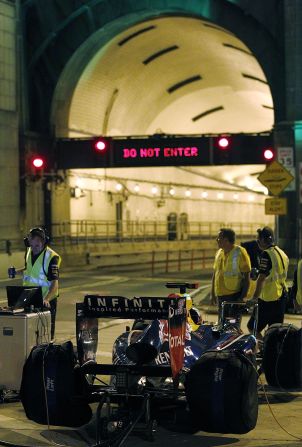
183,83
229,45
254,78
160,53
137,33
207,112
211,25
232,187
267,107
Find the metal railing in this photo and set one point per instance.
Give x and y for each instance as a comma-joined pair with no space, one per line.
95,231
9,246
79,232
159,261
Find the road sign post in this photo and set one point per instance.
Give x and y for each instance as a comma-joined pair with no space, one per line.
286,158
276,206
276,178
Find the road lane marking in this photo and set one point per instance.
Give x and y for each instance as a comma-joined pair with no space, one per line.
102,282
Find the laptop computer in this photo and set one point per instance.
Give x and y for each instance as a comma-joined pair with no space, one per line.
23,297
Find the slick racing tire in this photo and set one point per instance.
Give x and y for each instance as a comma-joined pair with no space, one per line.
281,362
221,391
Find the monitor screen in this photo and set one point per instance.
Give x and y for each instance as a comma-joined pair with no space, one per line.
22,297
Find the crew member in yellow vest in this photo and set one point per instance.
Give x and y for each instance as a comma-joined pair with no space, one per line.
271,283
42,269
232,266
296,290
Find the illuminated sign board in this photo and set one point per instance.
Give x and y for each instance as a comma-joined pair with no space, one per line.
160,151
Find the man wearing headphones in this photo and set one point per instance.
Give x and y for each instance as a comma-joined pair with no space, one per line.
271,284
42,269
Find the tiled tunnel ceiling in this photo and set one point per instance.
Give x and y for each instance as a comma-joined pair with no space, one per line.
176,75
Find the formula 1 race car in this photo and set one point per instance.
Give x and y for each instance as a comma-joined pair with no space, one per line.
168,362
169,354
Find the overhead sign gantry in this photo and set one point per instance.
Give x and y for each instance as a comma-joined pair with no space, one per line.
164,150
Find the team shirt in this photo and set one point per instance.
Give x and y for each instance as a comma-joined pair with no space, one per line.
244,267
265,264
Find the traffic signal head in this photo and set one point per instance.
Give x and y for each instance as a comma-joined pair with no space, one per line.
100,144
237,149
223,142
268,155
36,166
37,162
221,147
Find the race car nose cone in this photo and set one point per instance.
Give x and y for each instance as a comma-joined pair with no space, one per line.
141,353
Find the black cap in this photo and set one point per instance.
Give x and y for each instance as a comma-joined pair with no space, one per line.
37,231
266,233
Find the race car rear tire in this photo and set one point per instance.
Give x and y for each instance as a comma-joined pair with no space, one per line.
53,389
221,390
282,361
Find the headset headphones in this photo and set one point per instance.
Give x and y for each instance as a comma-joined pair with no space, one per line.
36,231
267,234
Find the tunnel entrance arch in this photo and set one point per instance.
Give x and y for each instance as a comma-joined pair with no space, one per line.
133,85
74,32
66,87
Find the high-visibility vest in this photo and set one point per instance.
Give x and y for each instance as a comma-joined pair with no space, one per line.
275,281
36,275
231,271
299,283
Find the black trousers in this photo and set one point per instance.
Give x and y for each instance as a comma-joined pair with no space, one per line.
53,313
269,312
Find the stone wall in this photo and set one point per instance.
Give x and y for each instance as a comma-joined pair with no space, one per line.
9,156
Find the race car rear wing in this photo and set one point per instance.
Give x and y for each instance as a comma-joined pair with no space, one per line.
172,308
149,308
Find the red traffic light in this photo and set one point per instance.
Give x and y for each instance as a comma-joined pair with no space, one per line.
38,162
268,154
100,145
223,142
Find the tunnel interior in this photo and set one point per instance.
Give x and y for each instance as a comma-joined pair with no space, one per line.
175,75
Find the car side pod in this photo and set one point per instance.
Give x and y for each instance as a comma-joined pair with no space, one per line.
221,391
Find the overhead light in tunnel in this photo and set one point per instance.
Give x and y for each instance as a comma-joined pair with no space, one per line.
101,185
160,53
136,34
220,195
76,192
79,182
204,194
235,196
188,193
207,112
248,182
183,83
119,187
251,198
154,190
172,191
136,188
